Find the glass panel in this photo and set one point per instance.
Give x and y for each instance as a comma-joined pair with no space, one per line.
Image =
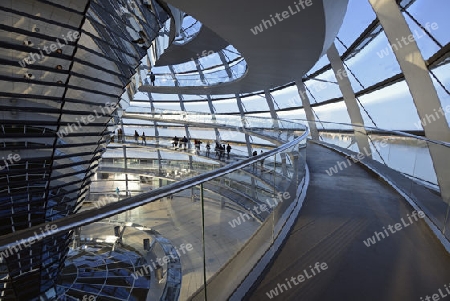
374,63
397,97
421,10
442,73
287,98
356,20
323,87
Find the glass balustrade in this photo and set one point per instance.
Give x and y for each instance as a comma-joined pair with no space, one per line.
154,236
404,160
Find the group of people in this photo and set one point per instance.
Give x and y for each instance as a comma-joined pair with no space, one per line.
197,146
182,142
136,137
220,150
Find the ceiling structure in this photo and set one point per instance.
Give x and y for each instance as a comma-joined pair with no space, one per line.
283,51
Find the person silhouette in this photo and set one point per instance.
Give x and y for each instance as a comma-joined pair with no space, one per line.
143,139
228,150
152,78
208,147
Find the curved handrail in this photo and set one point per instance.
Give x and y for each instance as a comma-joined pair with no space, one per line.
292,121
228,120
400,133
93,215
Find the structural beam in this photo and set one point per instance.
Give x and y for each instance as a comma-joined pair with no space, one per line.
241,111
273,112
350,101
183,108
425,97
308,110
225,64
247,140
155,125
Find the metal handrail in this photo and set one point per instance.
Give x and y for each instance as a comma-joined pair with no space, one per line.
400,133
217,120
93,215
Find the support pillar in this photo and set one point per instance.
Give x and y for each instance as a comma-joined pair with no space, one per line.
210,104
350,101
308,110
247,142
273,112
276,126
225,63
126,169
241,111
420,85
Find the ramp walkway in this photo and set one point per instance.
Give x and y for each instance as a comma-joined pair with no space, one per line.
340,213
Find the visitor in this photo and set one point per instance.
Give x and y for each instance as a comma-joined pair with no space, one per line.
136,136
185,141
221,151
228,150
143,139
217,149
119,135
152,78
262,162
208,147
197,146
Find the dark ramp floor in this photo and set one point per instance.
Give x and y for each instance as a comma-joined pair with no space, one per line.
340,212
